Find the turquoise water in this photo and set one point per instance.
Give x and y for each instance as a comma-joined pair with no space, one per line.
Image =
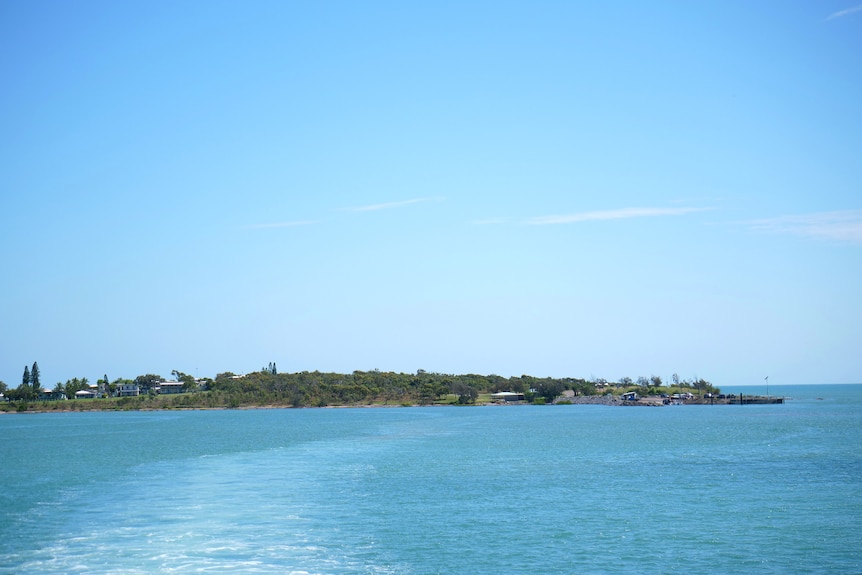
482,490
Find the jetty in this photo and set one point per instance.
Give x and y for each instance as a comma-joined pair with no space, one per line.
759,400
734,399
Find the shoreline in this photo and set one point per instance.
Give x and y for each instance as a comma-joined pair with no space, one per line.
603,400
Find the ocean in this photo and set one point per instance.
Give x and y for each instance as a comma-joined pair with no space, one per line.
575,489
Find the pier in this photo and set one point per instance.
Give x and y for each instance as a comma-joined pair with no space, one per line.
758,400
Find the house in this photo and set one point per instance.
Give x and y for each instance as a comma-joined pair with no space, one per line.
85,394
507,396
171,387
128,390
630,396
52,395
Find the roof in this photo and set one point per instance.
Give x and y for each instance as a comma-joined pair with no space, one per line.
508,395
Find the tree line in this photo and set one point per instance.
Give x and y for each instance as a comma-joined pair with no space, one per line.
326,388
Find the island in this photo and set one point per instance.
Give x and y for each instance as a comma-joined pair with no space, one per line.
269,388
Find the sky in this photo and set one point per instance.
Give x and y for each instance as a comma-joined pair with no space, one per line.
570,189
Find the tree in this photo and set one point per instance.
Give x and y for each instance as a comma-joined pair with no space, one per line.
147,383
675,378
549,389
655,380
22,392
25,380
702,385
34,378
188,381
430,391
3,387
75,385
466,393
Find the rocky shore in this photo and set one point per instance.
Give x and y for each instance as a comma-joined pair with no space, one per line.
657,401
593,400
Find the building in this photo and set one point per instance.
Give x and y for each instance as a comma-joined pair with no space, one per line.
166,387
128,390
507,396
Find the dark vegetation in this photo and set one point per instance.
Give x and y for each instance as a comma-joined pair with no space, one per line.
369,387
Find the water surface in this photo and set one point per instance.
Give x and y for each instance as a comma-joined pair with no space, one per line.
477,490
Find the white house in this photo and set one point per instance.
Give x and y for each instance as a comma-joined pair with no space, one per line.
171,387
128,390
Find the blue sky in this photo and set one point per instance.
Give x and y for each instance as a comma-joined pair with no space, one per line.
585,189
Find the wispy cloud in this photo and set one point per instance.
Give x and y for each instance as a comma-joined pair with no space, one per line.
291,224
845,12
620,214
390,205
841,226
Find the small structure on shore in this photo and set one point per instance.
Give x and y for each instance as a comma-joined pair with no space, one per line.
507,396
